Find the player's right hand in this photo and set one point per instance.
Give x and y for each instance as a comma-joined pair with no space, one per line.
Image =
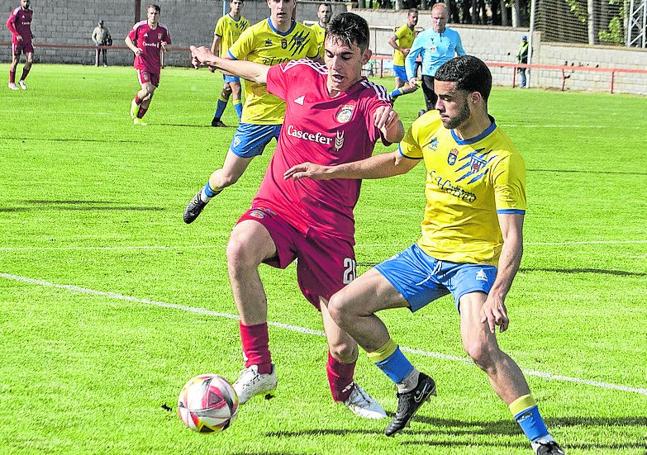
413,81
306,170
138,51
201,55
18,38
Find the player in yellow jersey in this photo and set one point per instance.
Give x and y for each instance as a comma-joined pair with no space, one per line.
470,247
274,40
228,29
401,42
324,13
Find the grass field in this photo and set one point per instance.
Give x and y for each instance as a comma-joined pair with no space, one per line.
109,303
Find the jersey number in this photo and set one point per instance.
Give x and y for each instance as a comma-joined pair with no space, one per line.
350,270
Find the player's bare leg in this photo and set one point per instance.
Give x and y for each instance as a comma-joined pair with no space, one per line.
25,70
504,374
354,308
249,245
236,98
340,368
141,102
12,72
220,179
481,345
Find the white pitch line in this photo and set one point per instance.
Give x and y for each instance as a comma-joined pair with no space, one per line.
304,330
197,247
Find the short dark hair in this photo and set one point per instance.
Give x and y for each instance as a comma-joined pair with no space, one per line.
470,74
349,28
411,11
323,4
153,5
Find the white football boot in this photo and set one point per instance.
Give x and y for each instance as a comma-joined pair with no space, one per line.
12,86
251,383
22,85
363,405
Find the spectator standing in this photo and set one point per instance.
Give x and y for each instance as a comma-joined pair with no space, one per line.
522,57
101,37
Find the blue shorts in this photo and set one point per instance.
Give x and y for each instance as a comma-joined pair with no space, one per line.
422,279
250,140
230,78
400,72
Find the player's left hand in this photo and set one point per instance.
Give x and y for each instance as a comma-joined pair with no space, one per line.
495,313
303,170
385,117
200,55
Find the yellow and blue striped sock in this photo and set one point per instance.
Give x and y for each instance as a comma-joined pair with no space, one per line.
391,361
526,413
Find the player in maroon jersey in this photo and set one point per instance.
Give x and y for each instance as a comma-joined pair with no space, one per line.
333,115
147,39
19,24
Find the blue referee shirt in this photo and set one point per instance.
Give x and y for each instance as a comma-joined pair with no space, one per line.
435,49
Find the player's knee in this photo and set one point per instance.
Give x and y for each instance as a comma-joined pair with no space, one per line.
339,309
481,352
240,254
344,352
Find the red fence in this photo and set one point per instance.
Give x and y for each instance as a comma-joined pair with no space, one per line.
565,71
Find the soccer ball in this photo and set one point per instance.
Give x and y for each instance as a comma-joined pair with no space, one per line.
207,403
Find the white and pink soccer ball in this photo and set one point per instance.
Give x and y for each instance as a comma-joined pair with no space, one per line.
207,403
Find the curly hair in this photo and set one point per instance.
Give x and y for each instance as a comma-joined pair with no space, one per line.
470,74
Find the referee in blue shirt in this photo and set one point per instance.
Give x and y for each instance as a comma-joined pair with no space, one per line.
436,46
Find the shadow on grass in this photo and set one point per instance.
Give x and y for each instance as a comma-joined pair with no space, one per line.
186,125
431,426
586,171
79,205
76,139
555,270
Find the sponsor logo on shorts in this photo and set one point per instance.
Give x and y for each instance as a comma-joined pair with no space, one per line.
257,214
300,100
236,141
481,276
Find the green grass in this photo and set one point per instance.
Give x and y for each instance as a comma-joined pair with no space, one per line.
88,200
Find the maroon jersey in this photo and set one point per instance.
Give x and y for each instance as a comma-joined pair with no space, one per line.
149,41
19,24
324,130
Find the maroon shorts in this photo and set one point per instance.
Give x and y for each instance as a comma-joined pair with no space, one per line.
324,264
22,47
145,77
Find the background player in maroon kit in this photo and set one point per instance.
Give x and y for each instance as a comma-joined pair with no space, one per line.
147,40
333,115
19,24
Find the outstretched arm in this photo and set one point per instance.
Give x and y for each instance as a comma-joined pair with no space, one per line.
494,311
202,56
375,167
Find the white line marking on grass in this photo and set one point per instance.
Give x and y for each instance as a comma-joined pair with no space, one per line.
296,328
588,242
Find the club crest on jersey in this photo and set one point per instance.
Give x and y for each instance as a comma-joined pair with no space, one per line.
284,43
339,140
268,42
476,164
451,157
433,144
345,113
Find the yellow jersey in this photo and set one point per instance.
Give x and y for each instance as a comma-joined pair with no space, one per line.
405,37
262,43
229,30
320,36
469,182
